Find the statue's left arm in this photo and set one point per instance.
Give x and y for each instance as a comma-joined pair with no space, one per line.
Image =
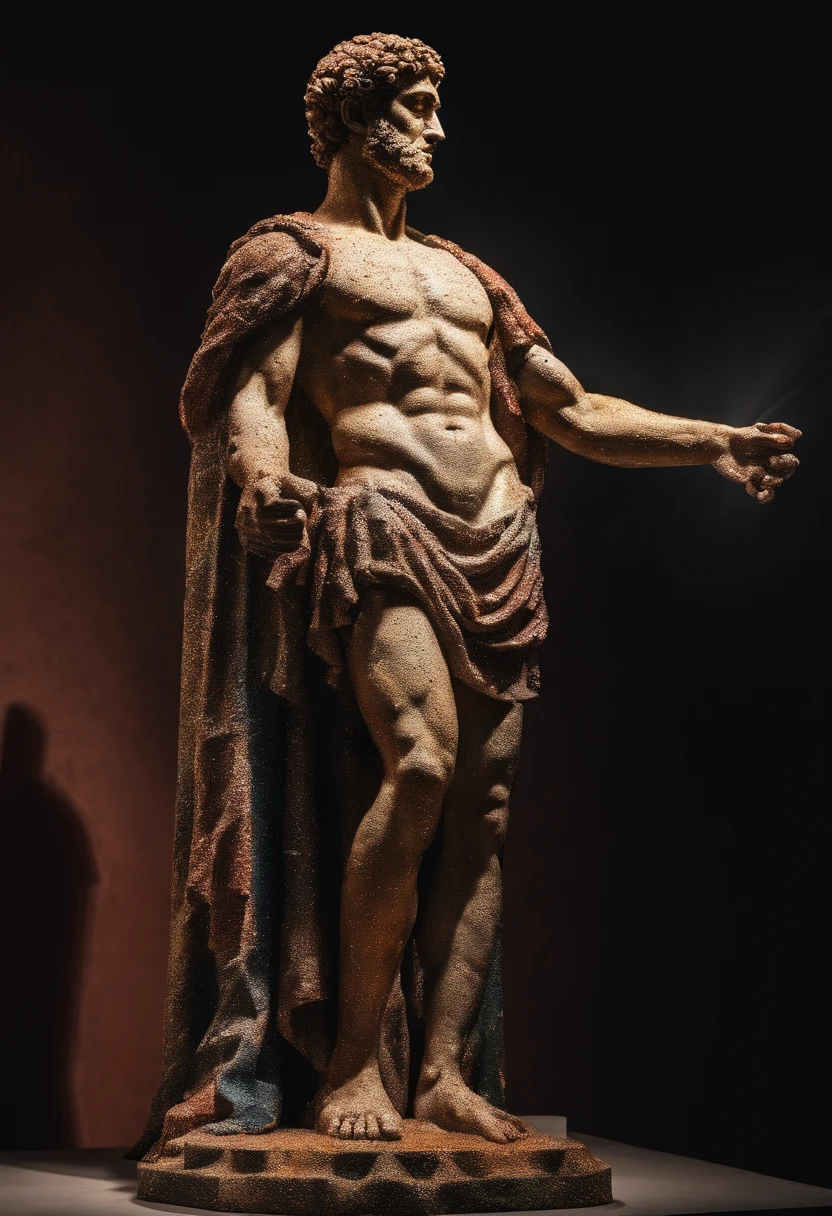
616,432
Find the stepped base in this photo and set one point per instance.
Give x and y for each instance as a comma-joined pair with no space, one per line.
301,1173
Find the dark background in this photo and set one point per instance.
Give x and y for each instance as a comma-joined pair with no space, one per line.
653,184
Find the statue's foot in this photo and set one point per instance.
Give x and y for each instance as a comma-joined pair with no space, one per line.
450,1104
359,1110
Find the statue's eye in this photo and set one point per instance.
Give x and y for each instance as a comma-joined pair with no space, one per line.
420,106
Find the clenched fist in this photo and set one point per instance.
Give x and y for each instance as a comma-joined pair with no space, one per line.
272,514
759,457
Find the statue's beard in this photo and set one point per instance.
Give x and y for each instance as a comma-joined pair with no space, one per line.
396,157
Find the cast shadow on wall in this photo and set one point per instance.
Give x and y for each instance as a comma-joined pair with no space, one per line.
47,869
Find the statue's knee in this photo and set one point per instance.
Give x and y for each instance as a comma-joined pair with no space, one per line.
498,795
495,819
426,769
421,779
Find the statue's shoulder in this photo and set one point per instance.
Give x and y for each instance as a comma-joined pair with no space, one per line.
432,241
288,251
516,328
488,277
270,274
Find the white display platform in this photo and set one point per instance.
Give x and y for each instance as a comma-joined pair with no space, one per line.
99,1182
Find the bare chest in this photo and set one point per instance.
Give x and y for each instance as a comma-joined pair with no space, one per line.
372,280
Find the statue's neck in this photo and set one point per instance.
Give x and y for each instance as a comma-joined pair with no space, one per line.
359,196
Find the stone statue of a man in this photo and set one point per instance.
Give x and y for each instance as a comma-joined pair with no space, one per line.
368,411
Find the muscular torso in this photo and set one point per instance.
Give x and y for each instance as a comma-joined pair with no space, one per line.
395,358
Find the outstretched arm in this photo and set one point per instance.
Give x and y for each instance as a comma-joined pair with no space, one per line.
612,431
274,503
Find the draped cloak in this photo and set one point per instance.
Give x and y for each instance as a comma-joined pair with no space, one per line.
275,766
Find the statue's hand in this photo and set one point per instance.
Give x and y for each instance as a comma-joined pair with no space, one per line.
272,514
759,457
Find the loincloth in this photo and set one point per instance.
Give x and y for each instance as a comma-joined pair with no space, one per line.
480,586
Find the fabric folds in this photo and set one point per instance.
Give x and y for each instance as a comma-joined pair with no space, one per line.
480,586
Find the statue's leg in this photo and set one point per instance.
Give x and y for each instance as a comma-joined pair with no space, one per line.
461,913
405,693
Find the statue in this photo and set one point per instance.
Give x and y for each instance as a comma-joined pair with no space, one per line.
368,410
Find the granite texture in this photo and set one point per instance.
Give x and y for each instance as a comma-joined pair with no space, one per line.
99,1182
303,1173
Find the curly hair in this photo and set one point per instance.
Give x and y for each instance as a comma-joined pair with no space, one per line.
373,67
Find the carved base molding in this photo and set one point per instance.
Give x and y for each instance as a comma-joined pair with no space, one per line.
301,1173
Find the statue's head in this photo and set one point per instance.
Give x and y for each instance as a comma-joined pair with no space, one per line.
378,92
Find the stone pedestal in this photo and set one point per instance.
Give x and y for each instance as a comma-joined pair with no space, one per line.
301,1173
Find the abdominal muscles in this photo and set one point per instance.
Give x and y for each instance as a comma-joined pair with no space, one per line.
456,459
427,430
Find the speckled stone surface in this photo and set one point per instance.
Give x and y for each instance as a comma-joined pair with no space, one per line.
99,1182
301,1173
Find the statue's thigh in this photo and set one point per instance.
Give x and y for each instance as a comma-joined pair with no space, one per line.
401,678
490,732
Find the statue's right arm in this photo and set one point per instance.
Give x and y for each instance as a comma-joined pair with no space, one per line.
274,503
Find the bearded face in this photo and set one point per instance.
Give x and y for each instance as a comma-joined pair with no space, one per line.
404,162
400,143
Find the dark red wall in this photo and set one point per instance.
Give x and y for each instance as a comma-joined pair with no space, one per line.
662,217
92,503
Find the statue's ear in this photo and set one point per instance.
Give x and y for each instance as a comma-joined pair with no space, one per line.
351,115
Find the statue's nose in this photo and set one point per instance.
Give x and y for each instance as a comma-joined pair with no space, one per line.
433,131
